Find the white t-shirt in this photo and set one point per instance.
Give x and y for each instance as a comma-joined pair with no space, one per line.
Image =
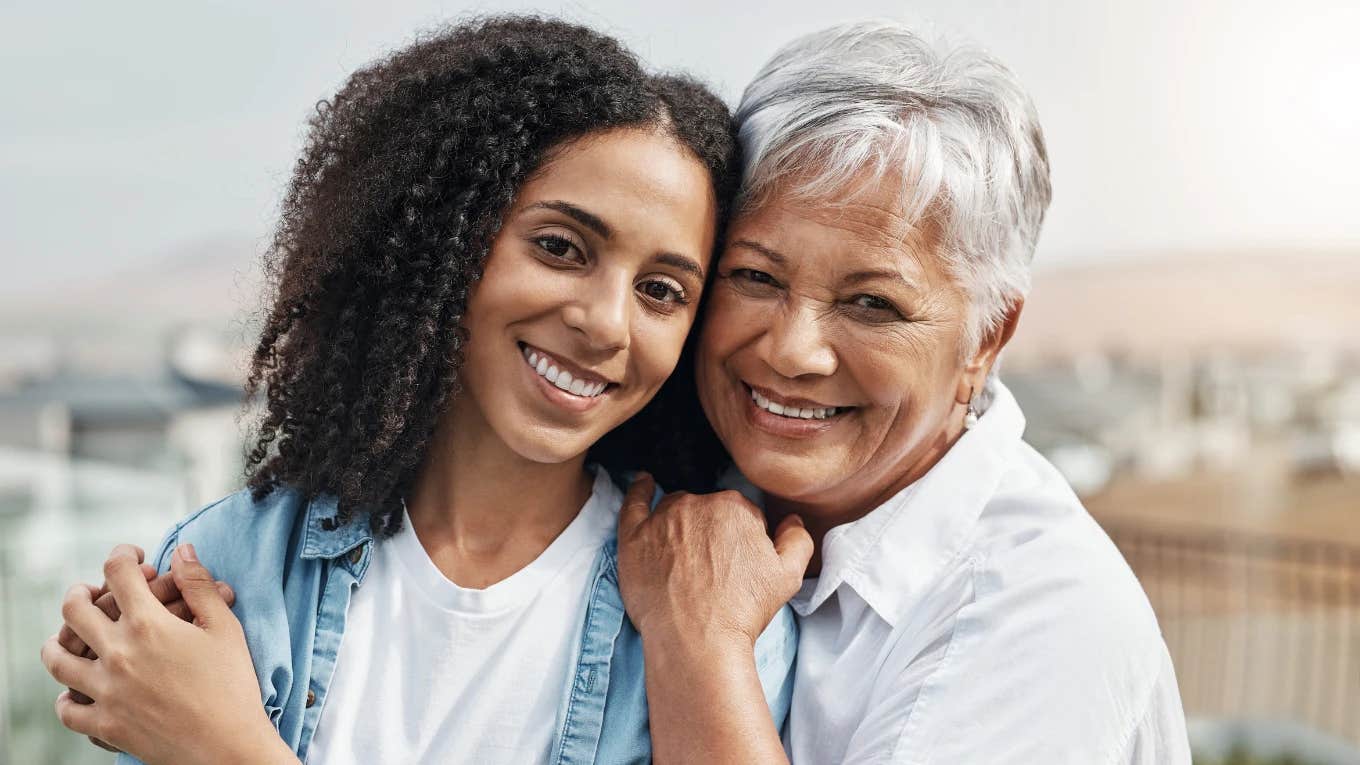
432,672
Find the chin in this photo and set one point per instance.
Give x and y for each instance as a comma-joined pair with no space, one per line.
549,448
786,476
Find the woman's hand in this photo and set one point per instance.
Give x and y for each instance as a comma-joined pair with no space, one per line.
701,579
162,587
163,689
703,566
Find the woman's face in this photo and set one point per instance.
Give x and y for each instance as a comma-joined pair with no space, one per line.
588,293
830,362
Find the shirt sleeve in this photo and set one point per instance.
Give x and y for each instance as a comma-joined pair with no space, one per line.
1160,736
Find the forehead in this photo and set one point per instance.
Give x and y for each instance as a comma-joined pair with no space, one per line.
632,172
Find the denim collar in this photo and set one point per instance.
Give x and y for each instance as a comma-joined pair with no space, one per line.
323,537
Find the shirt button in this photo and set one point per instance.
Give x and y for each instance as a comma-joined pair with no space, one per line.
311,698
355,555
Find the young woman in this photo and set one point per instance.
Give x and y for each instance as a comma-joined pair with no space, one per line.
488,264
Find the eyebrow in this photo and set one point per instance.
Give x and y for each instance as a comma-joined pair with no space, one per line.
868,275
761,249
593,221
854,278
676,260
587,219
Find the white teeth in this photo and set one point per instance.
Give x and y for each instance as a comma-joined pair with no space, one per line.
818,413
574,385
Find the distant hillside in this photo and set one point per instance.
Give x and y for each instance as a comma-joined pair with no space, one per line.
1141,306
1145,306
212,281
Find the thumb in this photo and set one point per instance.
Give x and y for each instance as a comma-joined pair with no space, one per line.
197,588
637,504
793,545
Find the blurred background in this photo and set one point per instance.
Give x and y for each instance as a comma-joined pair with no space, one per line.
1189,357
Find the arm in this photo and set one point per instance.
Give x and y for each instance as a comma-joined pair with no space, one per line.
701,579
162,689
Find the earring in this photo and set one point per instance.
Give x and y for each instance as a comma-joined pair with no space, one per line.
970,417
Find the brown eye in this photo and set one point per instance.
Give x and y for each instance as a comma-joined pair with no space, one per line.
559,247
875,308
749,281
662,292
753,276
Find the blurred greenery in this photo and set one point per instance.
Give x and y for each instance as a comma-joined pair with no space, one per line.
1239,755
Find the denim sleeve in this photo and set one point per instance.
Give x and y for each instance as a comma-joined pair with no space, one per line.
776,649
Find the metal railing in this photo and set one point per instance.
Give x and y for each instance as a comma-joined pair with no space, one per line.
1258,626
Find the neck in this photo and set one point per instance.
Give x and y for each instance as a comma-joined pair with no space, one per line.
482,511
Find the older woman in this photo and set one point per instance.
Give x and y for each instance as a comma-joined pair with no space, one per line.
960,605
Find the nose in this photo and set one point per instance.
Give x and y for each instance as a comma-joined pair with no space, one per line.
796,344
601,311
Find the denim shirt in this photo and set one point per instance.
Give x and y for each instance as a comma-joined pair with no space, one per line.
294,569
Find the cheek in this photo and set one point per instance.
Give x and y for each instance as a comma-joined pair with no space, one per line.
655,349
729,322
911,391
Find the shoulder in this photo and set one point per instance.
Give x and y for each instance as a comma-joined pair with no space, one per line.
238,530
1036,550
1048,616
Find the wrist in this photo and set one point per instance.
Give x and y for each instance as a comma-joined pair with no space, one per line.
263,745
696,644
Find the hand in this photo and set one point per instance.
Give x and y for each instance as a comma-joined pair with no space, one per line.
163,689
702,566
162,586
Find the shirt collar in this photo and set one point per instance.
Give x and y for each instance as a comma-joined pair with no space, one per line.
892,554
323,537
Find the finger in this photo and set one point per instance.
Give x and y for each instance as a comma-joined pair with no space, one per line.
637,504
198,588
123,572
68,637
66,668
81,718
163,587
180,610
85,619
147,569
793,545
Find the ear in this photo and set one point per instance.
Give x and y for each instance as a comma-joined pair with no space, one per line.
977,367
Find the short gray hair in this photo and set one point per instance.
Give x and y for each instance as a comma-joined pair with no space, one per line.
951,119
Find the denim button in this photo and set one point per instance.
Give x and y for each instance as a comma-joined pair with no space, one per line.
311,698
355,555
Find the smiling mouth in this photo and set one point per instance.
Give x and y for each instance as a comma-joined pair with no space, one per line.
794,410
580,384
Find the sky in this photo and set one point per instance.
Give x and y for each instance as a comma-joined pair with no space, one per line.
132,133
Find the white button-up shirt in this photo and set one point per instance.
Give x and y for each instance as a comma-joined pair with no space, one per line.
981,616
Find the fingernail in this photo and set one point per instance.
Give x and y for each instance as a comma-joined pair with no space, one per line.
186,551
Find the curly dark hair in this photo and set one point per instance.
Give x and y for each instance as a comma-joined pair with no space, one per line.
384,230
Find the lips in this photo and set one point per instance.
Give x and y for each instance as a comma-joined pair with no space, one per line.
564,375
